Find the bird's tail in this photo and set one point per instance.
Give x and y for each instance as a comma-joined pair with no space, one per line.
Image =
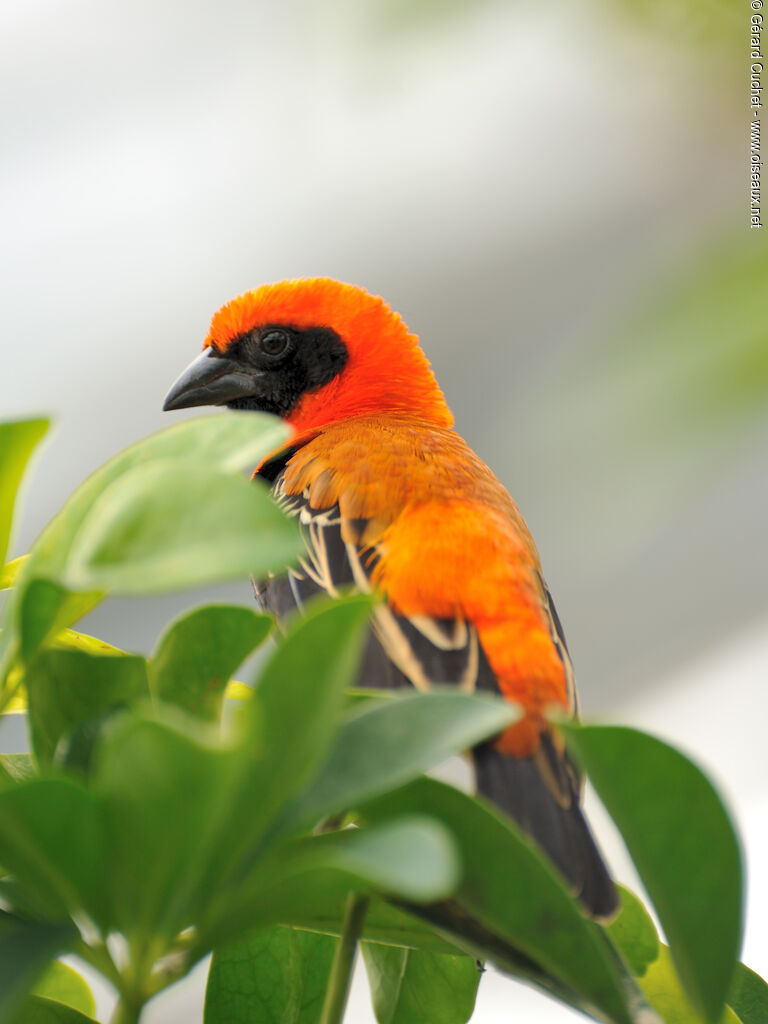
541,793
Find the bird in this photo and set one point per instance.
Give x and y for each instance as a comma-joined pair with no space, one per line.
391,500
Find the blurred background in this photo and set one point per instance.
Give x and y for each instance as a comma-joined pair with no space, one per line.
554,197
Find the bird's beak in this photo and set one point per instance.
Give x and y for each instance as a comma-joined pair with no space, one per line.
212,380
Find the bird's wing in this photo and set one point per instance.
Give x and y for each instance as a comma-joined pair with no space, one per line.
541,791
418,650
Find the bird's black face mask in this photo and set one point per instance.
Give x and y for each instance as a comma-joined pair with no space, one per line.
268,368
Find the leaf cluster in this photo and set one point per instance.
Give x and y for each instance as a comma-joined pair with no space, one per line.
165,812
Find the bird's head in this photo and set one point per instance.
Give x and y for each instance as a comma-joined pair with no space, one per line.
313,351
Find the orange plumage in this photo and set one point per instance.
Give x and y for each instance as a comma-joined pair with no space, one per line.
452,545
372,381
390,498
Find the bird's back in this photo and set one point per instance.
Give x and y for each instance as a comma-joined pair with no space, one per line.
424,520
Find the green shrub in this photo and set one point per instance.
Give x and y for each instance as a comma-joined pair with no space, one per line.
148,827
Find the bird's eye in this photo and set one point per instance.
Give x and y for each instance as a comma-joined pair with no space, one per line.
274,343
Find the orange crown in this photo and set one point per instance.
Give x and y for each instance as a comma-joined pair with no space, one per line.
386,370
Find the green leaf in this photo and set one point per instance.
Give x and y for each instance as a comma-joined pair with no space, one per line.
69,640
50,840
67,689
65,640
170,858
269,895
17,442
19,900
384,923
531,926
275,976
383,744
412,857
18,766
634,933
666,995
37,1010
164,798
10,572
232,441
25,952
294,714
409,986
169,525
748,996
64,985
45,608
196,656
683,844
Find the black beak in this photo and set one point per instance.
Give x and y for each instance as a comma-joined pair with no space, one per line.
212,380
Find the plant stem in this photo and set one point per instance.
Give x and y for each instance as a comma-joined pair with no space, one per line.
126,1012
344,959
98,956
